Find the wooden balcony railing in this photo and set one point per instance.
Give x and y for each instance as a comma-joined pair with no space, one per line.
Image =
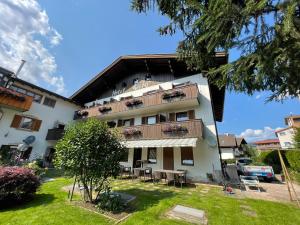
154,98
55,134
14,100
166,130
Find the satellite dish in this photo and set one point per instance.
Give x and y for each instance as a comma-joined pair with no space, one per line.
211,141
22,147
29,140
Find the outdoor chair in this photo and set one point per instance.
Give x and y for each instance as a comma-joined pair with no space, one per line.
126,170
136,173
148,173
181,178
170,177
157,176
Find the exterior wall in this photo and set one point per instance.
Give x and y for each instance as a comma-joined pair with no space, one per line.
286,136
206,158
227,153
265,147
62,112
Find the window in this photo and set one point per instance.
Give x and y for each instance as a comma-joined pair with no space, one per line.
49,102
3,80
124,157
151,120
182,116
126,123
26,123
152,155
287,144
187,158
36,97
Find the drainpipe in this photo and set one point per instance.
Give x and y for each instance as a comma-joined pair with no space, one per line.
20,68
15,75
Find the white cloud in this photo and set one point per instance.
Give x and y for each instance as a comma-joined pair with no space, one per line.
252,135
257,96
25,32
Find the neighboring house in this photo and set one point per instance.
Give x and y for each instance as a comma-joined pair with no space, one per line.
165,112
269,144
28,110
286,135
231,146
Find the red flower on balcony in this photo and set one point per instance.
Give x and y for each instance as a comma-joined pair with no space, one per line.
133,102
174,128
82,113
173,94
131,131
104,109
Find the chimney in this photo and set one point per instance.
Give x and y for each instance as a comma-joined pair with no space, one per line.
20,68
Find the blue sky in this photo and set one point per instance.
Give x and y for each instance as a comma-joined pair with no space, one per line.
82,37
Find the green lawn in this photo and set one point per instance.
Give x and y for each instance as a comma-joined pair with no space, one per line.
51,207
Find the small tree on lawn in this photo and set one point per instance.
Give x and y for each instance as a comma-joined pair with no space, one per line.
91,152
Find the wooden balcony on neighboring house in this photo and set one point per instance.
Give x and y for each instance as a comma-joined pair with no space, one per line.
55,134
176,98
166,130
14,100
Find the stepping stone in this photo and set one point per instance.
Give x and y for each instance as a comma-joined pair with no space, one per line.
190,193
187,214
249,213
247,207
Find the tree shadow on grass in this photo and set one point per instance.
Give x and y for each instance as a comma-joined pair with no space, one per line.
145,198
37,200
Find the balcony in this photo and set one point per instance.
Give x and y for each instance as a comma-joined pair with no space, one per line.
55,134
162,100
167,130
14,100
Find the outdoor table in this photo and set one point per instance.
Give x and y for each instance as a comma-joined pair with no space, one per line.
179,173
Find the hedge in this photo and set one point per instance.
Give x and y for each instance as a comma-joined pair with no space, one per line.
293,157
271,158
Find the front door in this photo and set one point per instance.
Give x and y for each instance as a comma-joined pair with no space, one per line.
168,159
137,155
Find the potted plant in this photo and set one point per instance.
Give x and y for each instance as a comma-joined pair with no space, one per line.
133,102
104,109
174,128
173,94
131,131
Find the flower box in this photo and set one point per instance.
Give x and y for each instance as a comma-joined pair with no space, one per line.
104,109
133,102
131,131
173,94
174,128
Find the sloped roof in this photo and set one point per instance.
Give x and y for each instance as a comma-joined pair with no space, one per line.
268,141
229,140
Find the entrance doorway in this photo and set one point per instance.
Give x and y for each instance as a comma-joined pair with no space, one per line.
137,155
168,158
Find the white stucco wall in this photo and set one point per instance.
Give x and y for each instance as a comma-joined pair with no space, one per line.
286,136
206,159
227,153
62,112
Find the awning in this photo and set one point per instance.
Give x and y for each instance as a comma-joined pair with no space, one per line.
183,142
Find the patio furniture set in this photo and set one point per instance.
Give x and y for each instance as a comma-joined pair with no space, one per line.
147,174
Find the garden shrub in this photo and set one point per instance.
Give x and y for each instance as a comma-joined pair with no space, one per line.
271,158
17,184
36,167
109,201
293,158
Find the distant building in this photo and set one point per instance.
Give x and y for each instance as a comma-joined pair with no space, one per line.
286,135
231,146
28,110
269,144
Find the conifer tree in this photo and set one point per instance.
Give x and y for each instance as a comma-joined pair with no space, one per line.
266,32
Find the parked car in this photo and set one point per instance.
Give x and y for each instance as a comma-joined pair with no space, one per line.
242,162
263,172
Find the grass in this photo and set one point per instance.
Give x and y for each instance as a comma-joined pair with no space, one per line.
52,207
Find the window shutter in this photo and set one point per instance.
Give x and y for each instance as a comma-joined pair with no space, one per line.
16,121
191,114
144,119
36,125
120,123
132,122
172,116
157,118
